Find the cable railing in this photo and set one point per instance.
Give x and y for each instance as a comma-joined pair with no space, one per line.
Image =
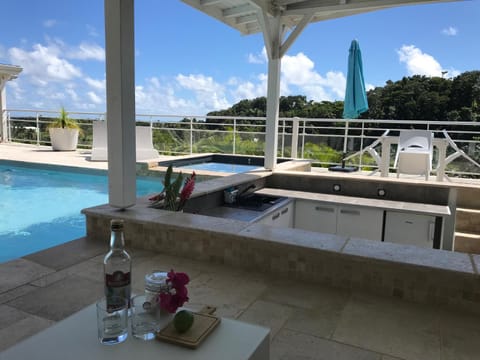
318,140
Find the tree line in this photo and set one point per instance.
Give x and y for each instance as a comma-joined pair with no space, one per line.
411,98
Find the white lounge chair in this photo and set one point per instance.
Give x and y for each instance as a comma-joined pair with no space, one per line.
414,153
371,149
144,142
143,139
99,143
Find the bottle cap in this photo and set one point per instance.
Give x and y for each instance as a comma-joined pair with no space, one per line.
116,224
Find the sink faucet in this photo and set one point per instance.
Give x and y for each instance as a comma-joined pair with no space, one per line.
251,186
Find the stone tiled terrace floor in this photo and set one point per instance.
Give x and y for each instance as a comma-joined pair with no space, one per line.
307,321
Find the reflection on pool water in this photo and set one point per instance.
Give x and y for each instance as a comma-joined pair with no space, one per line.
220,167
40,206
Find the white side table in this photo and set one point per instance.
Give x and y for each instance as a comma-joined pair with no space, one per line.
76,338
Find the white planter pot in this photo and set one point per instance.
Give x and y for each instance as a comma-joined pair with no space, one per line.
63,139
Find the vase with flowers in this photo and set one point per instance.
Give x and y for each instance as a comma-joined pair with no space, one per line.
175,193
167,291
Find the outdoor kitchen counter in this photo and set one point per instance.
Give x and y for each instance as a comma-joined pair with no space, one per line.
419,208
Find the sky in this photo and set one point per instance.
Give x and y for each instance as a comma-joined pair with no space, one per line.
188,63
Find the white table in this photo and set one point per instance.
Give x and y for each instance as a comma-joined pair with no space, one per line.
76,338
439,143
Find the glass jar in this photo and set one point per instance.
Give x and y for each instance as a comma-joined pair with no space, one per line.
155,283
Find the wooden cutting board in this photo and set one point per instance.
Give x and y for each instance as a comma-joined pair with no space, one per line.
203,324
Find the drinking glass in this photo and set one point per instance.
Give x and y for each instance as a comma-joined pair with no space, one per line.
112,323
145,318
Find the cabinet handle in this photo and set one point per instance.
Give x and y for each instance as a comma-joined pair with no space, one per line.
276,216
350,212
431,230
284,211
323,208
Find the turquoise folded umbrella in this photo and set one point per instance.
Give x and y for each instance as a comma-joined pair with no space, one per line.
355,101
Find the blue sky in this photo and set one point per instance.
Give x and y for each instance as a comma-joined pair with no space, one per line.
188,63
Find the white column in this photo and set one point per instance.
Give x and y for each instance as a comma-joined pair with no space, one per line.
120,74
3,107
271,131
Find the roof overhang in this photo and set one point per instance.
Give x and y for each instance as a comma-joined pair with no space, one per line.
10,71
246,15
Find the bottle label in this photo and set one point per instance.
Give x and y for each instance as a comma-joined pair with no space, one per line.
117,289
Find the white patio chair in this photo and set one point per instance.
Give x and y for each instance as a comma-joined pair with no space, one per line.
414,153
99,142
458,152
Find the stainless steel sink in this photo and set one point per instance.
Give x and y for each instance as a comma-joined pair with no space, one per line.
255,202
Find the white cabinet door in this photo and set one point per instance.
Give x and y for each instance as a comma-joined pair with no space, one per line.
315,216
285,217
360,222
282,217
411,229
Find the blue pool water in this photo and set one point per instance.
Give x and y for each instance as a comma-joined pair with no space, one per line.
40,207
220,167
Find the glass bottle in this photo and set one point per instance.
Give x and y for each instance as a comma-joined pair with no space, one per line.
117,267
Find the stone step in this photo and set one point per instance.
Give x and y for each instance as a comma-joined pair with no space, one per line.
467,243
467,220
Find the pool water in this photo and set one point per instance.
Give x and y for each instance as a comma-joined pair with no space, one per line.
220,167
40,207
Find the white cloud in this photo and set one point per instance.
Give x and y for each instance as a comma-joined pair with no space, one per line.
248,89
450,31
207,92
92,30
44,64
258,58
99,85
155,97
49,23
86,51
418,62
95,98
298,72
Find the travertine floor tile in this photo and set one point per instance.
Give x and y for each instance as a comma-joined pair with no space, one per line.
460,334
292,345
17,325
20,272
267,314
389,326
60,299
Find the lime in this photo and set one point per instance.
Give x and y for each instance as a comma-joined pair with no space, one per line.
183,320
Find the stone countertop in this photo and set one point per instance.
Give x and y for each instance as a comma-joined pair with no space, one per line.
419,208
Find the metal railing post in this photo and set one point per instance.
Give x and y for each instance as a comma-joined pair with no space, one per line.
9,129
295,121
191,136
360,161
303,140
234,135
37,129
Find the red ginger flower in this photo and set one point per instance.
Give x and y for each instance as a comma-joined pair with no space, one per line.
186,191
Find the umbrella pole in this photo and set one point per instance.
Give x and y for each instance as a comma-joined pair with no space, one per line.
344,168
345,140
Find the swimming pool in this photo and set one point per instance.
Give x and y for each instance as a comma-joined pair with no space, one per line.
40,206
219,163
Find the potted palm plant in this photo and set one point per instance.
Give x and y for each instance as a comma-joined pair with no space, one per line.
64,132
